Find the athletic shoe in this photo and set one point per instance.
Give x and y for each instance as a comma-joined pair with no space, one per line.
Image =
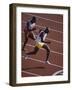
27,57
24,55
47,62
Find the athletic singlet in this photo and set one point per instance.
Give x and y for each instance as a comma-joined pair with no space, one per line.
41,37
30,25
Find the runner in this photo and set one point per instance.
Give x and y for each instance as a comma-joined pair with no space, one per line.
28,31
41,43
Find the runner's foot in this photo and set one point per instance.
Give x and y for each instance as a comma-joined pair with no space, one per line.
47,62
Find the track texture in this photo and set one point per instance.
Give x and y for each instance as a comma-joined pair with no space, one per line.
35,65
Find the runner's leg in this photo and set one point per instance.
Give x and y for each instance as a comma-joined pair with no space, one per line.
47,51
33,52
32,35
25,41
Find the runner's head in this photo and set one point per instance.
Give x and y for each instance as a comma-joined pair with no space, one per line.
33,20
46,30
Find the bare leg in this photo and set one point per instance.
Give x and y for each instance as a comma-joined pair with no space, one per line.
47,51
28,35
25,42
33,52
31,35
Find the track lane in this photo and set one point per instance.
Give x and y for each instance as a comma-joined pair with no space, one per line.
41,54
39,68
54,58
48,23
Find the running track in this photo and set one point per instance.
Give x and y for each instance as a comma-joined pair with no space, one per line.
35,65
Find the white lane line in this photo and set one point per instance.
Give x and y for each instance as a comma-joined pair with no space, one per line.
34,59
30,73
52,40
43,62
45,18
57,72
49,28
43,49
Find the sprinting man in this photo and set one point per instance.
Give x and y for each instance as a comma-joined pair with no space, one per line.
40,43
28,31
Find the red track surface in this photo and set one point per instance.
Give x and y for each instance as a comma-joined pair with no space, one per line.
35,64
